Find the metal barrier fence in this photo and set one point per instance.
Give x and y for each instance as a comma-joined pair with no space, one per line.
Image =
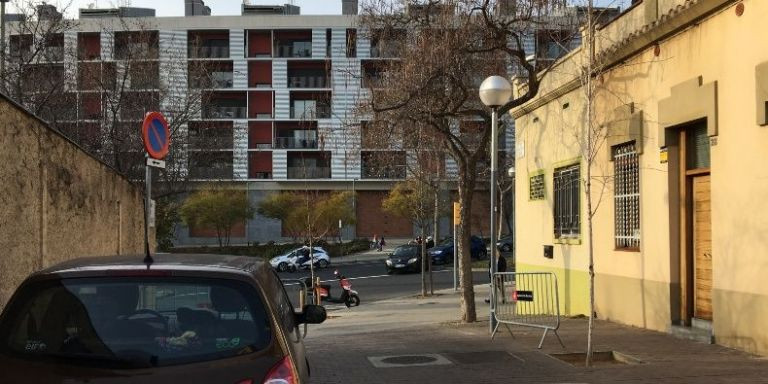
528,299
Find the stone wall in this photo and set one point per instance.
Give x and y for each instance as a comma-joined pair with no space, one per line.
57,202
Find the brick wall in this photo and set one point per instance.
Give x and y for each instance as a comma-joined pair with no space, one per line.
371,220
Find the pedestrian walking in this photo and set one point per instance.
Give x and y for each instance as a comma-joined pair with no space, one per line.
382,243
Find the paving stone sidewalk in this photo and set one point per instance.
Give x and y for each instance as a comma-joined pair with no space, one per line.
408,331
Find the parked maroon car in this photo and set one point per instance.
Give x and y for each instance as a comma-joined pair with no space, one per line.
185,319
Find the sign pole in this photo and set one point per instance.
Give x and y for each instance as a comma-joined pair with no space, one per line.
157,138
147,197
456,223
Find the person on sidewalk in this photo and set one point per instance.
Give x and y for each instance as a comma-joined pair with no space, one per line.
501,266
382,243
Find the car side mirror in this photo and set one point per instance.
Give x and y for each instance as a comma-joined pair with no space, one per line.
311,314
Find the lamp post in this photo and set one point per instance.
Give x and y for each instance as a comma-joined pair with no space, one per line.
495,91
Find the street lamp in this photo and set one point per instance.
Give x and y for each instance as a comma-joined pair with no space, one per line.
495,91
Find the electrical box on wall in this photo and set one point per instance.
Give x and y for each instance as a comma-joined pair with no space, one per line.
549,251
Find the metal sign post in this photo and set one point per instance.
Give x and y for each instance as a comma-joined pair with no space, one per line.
456,223
157,139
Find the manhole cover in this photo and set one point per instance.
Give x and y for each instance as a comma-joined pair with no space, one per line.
408,360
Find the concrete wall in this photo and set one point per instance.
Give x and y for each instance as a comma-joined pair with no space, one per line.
641,287
57,202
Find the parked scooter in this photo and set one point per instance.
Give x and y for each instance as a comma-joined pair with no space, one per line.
348,297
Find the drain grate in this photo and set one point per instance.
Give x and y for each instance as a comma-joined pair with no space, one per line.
413,360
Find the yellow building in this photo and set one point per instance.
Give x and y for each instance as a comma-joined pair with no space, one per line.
679,172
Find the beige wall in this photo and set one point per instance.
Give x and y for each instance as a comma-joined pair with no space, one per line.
635,287
57,202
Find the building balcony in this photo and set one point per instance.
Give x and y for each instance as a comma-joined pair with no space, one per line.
294,49
308,82
295,143
216,112
311,113
260,175
211,173
215,80
384,172
208,52
309,172
53,54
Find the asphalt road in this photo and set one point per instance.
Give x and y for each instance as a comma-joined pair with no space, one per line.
371,281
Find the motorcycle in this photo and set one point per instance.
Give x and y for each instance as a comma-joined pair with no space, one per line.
348,297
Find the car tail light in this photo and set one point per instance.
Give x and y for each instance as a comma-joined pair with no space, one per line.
281,373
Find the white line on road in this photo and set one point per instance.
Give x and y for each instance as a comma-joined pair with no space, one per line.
377,276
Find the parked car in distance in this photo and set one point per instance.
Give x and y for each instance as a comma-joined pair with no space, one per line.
183,318
281,263
504,244
405,258
443,252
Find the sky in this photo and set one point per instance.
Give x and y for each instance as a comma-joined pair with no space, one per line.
232,7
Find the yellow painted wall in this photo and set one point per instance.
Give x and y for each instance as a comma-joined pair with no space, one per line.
633,287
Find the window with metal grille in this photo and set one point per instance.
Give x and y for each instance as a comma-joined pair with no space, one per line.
626,169
567,202
536,187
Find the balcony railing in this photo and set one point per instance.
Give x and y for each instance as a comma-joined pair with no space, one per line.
309,113
309,172
295,49
260,175
209,173
385,50
208,52
385,172
294,143
215,80
225,113
136,51
308,82
53,54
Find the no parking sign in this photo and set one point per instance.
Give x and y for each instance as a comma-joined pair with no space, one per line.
156,135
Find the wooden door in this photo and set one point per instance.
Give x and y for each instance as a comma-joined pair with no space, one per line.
702,247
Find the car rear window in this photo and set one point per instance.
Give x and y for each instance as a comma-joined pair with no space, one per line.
135,322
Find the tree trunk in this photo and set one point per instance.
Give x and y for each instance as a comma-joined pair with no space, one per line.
468,312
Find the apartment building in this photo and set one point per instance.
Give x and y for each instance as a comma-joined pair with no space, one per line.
279,111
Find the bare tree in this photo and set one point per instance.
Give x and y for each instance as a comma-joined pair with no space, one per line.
35,71
442,51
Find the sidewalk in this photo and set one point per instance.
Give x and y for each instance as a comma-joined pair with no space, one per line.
345,348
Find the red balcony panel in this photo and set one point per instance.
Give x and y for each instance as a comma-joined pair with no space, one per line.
259,43
259,134
91,103
259,163
316,64
89,46
259,73
260,105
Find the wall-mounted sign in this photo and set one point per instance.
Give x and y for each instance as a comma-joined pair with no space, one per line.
663,158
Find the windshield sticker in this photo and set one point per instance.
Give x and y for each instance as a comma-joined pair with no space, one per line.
35,346
224,343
